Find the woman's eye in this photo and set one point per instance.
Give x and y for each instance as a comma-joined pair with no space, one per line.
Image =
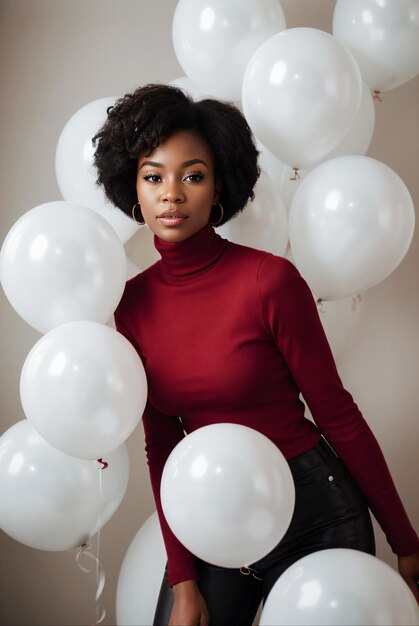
153,178
194,178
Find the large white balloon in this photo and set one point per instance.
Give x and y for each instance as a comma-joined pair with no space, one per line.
141,576
340,587
383,36
52,501
214,39
83,388
228,494
350,225
263,223
74,169
61,262
301,92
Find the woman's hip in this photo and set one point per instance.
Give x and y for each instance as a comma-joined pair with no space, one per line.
330,512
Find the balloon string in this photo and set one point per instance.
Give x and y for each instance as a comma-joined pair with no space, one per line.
376,94
100,574
296,174
85,552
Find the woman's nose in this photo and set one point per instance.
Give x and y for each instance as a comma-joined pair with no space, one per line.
172,194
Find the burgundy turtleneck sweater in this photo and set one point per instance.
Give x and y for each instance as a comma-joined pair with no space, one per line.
232,334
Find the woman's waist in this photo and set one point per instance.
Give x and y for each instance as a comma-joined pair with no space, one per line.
294,438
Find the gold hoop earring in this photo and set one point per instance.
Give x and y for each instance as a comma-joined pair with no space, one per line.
221,216
133,214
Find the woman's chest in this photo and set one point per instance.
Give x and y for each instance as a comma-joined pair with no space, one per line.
205,349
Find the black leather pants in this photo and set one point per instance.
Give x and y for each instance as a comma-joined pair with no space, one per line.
330,512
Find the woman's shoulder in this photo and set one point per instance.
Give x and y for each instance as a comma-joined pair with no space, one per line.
266,263
280,282
279,267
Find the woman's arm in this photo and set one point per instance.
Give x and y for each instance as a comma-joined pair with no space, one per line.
162,433
291,315
409,570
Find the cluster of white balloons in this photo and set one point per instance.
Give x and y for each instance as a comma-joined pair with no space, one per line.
336,586
228,495
307,96
83,387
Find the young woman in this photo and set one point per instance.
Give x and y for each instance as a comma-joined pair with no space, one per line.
228,333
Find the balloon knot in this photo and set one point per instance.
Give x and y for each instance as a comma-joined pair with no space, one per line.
103,463
356,300
296,174
320,305
376,94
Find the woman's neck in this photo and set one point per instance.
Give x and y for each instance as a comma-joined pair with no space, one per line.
191,255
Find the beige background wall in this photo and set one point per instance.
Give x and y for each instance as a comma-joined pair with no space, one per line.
57,55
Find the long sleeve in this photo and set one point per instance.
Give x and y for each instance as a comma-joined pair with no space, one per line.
290,314
162,433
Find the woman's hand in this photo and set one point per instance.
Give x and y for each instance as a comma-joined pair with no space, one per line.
189,608
409,570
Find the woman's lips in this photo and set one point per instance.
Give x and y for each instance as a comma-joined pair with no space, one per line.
172,218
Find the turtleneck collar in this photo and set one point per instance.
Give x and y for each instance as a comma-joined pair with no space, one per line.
192,255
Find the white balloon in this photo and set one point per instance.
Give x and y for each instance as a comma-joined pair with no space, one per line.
141,576
301,92
383,36
263,223
340,587
341,320
61,262
214,39
83,387
52,501
228,494
359,135
74,169
350,225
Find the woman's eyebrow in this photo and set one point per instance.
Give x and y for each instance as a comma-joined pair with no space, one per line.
193,162
185,164
152,163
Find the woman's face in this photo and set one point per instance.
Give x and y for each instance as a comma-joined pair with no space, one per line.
176,187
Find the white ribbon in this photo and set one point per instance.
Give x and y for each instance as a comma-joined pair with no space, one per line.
85,552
